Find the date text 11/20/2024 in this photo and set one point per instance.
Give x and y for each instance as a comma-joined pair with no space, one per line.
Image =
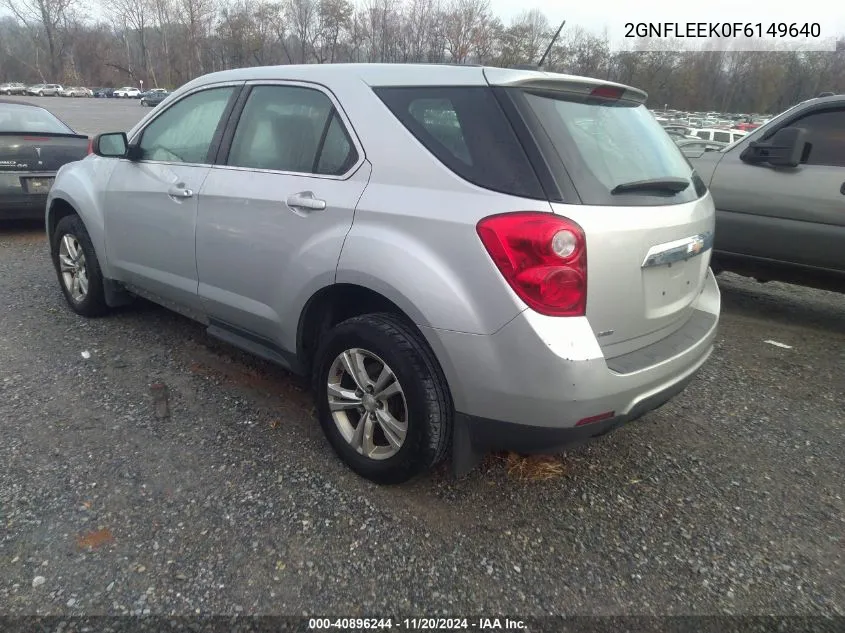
417,624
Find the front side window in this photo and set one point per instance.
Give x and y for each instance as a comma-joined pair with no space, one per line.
185,131
722,137
292,129
826,136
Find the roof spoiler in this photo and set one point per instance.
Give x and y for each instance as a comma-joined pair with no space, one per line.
562,83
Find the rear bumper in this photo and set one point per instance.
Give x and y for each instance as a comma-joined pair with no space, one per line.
527,386
23,206
487,435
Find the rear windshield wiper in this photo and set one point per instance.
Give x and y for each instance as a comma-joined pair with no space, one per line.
657,185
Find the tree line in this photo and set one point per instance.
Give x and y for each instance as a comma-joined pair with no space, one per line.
165,43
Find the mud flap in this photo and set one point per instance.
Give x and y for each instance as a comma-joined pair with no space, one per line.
115,294
465,454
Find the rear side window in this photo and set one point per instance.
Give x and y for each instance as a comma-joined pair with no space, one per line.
291,129
722,137
466,130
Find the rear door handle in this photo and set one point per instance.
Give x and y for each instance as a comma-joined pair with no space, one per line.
179,193
306,200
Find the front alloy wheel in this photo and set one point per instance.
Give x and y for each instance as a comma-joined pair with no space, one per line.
73,268
367,404
77,267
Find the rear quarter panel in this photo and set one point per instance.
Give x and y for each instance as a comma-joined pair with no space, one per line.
414,237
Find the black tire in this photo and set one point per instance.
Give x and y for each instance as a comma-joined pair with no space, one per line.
94,302
429,403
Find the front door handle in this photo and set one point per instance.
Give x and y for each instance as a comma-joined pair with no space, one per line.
306,200
179,193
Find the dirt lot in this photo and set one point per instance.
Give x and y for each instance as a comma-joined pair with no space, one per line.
727,500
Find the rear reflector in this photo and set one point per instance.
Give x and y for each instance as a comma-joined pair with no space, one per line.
595,418
608,92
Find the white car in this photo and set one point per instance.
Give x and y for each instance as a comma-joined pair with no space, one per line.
720,136
127,92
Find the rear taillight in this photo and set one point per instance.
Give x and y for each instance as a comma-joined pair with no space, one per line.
543,257
90,146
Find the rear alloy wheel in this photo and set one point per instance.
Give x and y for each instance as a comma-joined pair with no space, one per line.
371,415
382,400
77,267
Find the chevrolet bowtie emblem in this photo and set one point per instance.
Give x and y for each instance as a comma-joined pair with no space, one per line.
38,151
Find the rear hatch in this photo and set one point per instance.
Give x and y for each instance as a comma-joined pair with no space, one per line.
647,217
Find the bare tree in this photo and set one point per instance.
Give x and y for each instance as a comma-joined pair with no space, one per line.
464,24
333,20
48,17
302,18
135,16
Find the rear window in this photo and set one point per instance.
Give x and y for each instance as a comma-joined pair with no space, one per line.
24,118
465,128
608,144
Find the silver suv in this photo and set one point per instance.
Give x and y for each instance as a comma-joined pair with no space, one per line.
462,259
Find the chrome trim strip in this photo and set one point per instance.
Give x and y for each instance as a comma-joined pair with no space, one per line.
679,250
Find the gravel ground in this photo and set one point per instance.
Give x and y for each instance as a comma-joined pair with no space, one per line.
727,500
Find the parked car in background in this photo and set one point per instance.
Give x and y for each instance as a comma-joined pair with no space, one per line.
44,90
696,147
127,92
153,97
720,135
13,88
678,135
103,93
34,144
74,91
458,286
780,197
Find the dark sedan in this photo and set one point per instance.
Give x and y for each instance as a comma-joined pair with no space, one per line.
153,97
34,144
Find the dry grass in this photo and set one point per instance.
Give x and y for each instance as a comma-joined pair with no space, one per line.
533,467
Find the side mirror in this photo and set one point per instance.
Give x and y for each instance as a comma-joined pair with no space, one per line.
784,149
111,145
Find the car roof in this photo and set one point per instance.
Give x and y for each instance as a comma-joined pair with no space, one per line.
393,74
